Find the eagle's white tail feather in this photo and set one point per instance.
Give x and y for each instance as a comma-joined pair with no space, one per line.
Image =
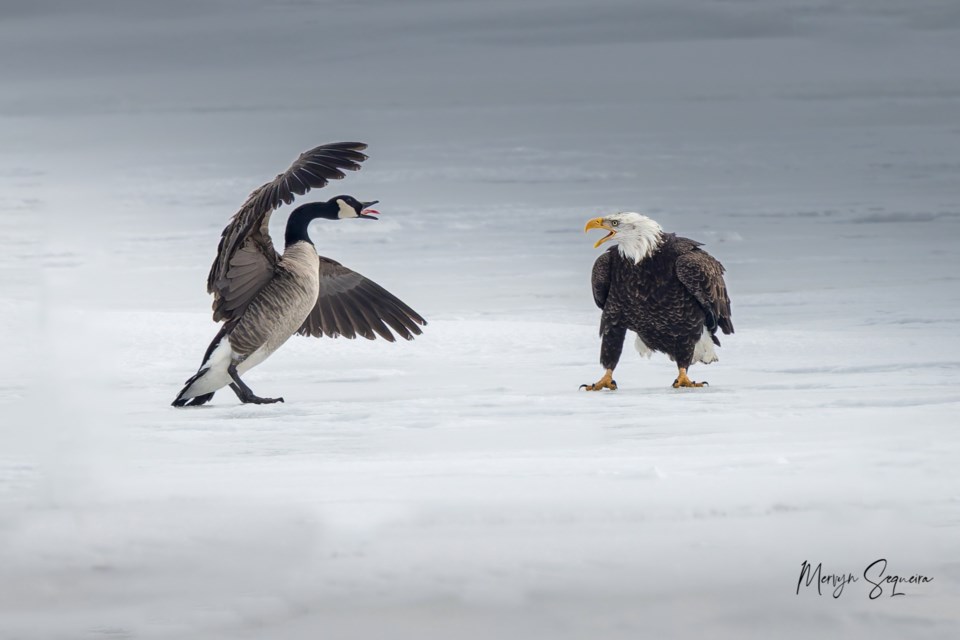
704,352
642,348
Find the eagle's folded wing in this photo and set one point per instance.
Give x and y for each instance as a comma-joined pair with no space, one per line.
600,279
702,275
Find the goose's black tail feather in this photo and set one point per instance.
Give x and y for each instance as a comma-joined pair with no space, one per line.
180,401
205,398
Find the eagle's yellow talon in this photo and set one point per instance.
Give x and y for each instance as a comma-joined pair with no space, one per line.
683,381
606,382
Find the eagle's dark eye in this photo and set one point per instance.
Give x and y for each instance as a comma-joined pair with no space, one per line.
615,223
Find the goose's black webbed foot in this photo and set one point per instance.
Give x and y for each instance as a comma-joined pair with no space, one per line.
244,393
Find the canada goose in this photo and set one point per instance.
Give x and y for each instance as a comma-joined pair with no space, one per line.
264,297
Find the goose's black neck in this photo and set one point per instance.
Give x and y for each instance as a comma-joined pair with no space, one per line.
301,218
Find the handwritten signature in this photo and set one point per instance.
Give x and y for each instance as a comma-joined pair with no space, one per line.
874,574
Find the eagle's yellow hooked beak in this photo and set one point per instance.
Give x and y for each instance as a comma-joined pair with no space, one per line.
600,223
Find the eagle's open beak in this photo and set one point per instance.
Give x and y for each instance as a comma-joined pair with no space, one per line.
600,223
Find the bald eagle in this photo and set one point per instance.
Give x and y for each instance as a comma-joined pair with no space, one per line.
662,287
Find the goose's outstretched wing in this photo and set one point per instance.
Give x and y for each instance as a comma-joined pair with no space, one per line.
350,305
246,257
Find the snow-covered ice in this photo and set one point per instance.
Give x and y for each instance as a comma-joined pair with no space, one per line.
459,485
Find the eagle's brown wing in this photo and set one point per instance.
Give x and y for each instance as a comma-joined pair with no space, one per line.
600,279
351,305
702,275
246,258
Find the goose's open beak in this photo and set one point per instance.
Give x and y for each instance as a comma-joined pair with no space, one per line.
600,223
367,212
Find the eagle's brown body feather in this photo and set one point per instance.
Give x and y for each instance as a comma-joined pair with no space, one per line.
667,299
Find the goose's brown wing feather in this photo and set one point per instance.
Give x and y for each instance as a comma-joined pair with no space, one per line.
246,258
351,305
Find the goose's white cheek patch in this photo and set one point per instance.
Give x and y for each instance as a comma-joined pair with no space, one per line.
346,211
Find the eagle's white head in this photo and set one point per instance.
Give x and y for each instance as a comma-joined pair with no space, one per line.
636,236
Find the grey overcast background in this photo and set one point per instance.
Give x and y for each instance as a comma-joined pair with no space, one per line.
459,485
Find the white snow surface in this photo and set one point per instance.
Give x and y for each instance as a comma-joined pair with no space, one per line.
459,485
